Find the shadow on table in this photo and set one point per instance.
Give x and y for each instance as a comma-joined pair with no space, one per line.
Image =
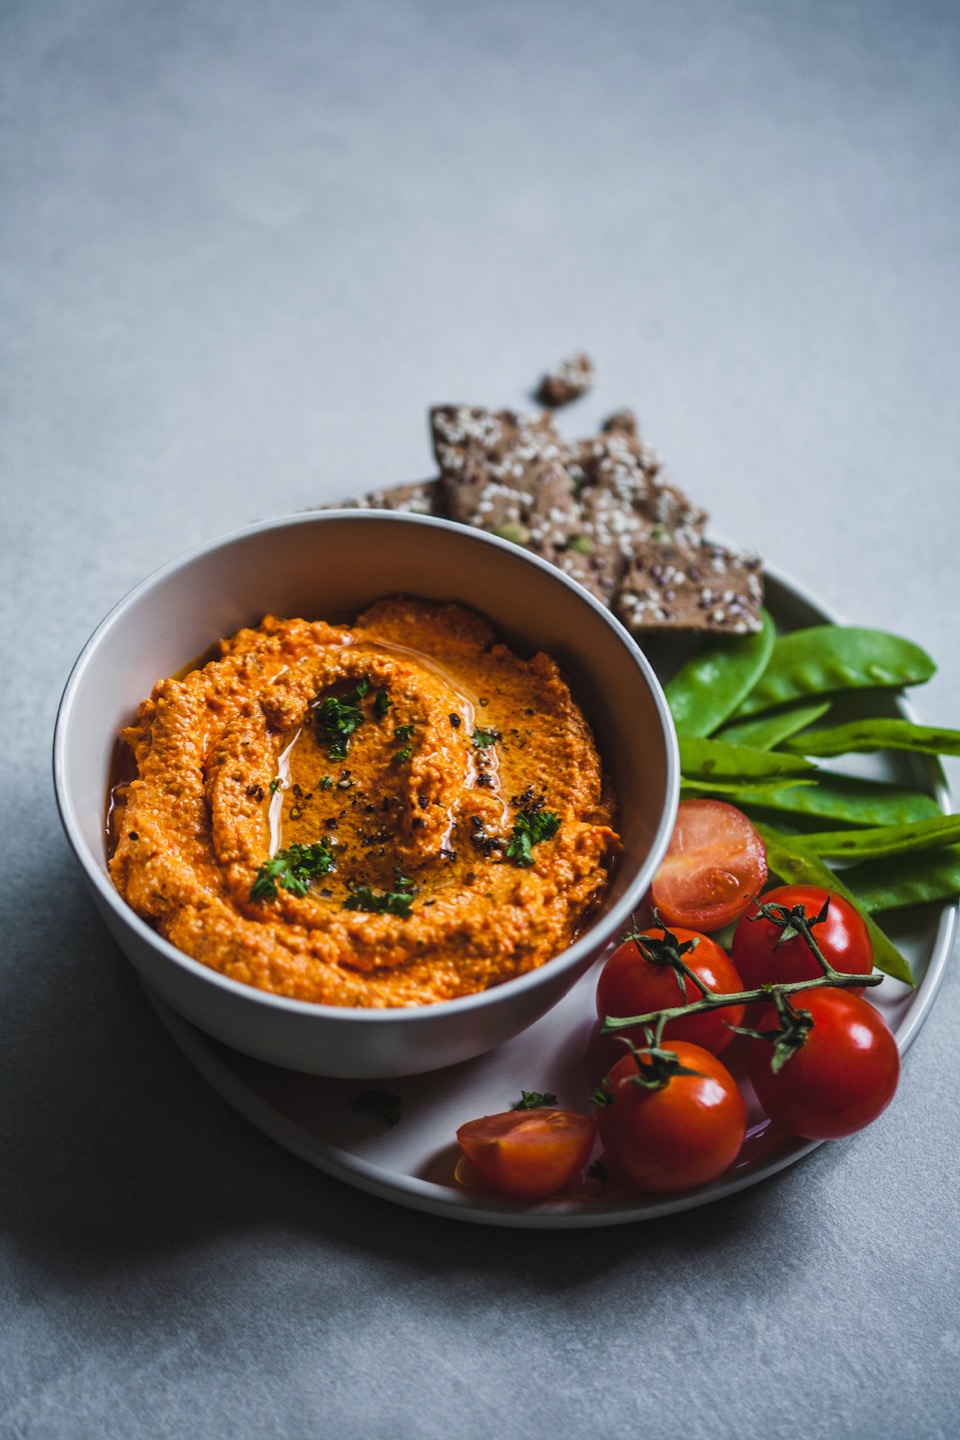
118,1155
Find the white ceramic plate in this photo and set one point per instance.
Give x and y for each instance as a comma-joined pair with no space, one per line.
413,1162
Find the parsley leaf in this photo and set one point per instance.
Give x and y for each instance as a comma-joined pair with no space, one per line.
293,869
404,754
383,902
484,738
337,719
403,732
529,828
533,1100
382,1103
381,702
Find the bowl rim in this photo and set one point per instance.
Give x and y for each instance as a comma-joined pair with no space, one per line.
586,943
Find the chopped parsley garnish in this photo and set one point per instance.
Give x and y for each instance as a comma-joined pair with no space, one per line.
274,785
326,782
529,828
381,702
484,738
404,754
403,732
383,902
293,869
337,719
533,1100
382,1103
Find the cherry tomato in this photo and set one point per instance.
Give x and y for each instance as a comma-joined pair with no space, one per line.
842,938
842,1076
528,1154
716,861
683,1134
632,984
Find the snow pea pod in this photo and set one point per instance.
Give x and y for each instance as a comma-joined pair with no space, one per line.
880,841
772,730
711,685
908,880
718,760
824,659
787,857
866,736
841,797
766,794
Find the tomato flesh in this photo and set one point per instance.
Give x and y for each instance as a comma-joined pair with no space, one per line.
684,1134
632,984
842,938
715,863
840,1079
528,1154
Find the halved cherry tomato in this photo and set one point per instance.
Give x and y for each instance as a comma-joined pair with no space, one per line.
716,861
842,938
632,984
683,1134
528,1154
842,1076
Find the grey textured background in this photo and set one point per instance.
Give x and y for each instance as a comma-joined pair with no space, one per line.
243,247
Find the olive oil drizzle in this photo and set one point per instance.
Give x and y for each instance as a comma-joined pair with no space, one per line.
275,811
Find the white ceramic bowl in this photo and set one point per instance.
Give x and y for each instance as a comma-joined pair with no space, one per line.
330,565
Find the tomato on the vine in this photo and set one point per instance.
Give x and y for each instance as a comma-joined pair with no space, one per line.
528,1154
683,1133
638,979
763,957
842,1075
715,862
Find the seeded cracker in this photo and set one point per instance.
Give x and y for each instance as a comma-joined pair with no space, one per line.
671,586
624,420
600,509
498,467
623,487
567,381
507,473
421,497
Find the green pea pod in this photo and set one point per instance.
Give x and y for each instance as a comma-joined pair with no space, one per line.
711,685
795,865
906,880
866,736
883,840
845,798
716,760
824,659
773,729
736,793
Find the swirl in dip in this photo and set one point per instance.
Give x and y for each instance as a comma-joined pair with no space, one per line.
390,814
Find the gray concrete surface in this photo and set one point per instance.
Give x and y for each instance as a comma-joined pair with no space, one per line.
243,247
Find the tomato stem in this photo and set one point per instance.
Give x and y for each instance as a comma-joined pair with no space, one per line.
793,922
656,1066
717,1001
668,951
